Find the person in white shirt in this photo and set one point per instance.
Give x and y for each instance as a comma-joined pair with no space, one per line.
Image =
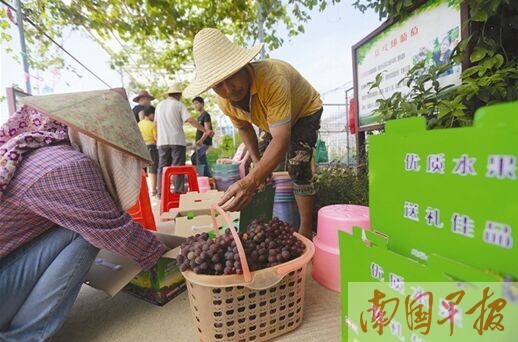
170,116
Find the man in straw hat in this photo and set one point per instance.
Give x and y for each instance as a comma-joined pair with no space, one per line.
272,95
143,99
67,176
170,116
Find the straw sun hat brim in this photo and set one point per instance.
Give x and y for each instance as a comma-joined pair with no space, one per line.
221,71
137,98
171,92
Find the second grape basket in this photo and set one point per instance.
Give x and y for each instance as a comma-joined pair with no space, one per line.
253,306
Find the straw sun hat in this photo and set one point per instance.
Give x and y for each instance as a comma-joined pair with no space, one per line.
175,88
216,58
143,93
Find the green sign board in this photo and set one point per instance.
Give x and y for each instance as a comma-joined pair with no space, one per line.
389,297
394,48
452,192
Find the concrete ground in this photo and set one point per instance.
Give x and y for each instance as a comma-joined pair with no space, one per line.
97,317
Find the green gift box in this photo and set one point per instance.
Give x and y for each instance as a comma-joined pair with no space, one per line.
367,265
452,192
112,273
159,285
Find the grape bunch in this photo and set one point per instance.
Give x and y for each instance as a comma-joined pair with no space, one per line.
270,244
265,245
202,255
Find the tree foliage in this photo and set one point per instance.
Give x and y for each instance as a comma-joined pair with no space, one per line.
158,34
491,77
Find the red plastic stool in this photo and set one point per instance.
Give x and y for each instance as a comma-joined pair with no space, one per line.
168,199
141,212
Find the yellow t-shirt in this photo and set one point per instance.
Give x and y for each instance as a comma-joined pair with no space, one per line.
279,95
148,131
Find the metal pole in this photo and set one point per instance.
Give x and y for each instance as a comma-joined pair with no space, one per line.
347,125
260,28
122,77
23,47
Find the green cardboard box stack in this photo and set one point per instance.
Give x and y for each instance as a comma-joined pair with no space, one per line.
159,285
443,208
112,273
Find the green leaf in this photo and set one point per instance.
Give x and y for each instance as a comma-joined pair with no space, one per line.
444,110
470,71
498,60
477,54
480,15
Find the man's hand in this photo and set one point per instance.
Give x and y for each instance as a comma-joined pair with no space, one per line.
238,195
199,143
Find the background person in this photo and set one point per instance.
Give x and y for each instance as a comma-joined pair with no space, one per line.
170,116
148,130
203,141
143,100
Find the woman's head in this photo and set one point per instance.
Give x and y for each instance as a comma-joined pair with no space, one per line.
445,44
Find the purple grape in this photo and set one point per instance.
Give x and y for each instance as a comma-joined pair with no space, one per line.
286,255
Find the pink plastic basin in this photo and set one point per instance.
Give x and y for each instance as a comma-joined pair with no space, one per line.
343,217
331,219
326,266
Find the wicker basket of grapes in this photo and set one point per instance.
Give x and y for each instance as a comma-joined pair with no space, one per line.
246,286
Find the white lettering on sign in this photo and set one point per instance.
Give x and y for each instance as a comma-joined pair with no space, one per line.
464,166
446,310
501,167
418,254
435,163
433,217
411,211
377,272
412,162
421,299
498,234
462,224
352,326
395,329
397,283
416,338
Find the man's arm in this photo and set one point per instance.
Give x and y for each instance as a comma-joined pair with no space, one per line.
196,125
249,138
275,151
208,127
242,191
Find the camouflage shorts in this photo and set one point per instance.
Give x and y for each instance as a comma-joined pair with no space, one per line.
303,139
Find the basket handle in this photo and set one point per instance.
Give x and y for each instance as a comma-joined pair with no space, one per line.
300,262
239,245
